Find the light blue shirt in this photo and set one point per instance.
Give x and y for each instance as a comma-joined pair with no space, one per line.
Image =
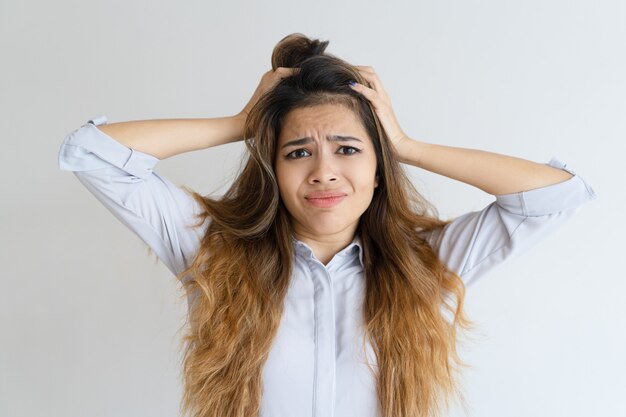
315,366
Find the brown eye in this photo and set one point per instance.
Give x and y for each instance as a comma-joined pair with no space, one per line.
351,148
293,152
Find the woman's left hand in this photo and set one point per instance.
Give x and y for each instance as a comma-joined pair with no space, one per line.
381,102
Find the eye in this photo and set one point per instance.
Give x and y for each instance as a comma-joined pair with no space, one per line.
293,152
350,151
351,148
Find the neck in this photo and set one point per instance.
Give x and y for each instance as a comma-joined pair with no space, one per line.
325,247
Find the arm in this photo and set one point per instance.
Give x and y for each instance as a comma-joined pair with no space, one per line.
115,162
476,242
532,199
491,172
124,181
168,137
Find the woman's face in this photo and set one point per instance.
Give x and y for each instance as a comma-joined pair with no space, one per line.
325,149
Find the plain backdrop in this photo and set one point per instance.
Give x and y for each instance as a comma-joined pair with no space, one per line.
90,324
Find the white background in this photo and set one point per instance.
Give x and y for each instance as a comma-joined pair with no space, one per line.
90,325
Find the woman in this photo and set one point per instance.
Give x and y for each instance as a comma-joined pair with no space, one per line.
321,283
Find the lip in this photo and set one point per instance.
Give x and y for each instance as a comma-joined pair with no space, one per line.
325,199
326,202
324,194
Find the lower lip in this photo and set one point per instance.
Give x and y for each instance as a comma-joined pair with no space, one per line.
326,202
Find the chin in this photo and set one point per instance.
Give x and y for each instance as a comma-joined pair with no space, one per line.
327,228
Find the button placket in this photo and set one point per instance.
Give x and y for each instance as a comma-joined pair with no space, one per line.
325,355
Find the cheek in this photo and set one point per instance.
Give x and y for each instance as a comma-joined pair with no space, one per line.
287,182
364,175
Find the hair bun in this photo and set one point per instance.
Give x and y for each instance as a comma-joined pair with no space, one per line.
295,48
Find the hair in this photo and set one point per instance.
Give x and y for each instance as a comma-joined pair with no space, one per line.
413,304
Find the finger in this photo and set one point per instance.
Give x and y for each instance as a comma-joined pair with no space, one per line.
287,70
283,72
365,68
369,93
277,75
373,79
365,71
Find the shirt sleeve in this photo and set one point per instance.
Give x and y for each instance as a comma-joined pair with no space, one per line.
476,242
123,180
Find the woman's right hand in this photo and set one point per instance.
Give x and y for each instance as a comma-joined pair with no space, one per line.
268,81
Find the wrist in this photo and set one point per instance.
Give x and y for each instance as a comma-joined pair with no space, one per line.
411,152
240,117
239,121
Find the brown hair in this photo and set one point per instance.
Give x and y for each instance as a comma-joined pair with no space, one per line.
239,278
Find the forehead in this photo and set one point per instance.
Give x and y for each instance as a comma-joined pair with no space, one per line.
321,119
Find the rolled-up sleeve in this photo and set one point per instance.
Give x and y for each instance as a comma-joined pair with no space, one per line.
475,242
124,181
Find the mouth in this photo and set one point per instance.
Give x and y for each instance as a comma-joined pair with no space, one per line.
325,202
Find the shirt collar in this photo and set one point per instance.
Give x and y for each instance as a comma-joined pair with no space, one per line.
355,246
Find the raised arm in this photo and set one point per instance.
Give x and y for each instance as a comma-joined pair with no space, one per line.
116,161
491,172
531,199
476,242
163,138
124,181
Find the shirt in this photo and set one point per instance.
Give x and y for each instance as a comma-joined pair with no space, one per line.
316,366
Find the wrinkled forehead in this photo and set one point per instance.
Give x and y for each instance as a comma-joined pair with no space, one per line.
319,121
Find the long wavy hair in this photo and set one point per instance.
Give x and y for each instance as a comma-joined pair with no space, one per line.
413,305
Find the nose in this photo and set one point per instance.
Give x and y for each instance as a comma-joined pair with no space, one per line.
322,170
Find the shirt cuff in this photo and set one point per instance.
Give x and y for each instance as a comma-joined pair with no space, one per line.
88,148
553,198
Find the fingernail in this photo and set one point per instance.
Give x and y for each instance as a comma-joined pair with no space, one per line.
351,83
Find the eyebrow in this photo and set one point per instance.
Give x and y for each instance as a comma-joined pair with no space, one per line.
331,138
